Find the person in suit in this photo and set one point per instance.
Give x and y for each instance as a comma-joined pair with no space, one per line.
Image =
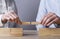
8,14
49,14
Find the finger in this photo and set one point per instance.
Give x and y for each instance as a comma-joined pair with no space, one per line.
16,20
11,17
14,14
50,19
52,22
46,17
42,19
19,22
7,18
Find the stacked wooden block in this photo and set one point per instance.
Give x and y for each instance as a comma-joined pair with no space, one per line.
49,33
11,32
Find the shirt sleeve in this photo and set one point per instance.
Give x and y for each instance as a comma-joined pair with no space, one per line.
41,12
1,24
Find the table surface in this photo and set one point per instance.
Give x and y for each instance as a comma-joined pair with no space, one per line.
31,34
28,34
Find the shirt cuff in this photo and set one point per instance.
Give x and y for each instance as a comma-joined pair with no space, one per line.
1,24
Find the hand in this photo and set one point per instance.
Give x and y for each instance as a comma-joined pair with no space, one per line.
49,19
10,16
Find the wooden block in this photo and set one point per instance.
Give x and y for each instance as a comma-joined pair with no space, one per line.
11,32
16,31
49,33
25,23
34,23
30,23
4,31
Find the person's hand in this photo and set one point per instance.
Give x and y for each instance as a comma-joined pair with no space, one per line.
10,16
49,19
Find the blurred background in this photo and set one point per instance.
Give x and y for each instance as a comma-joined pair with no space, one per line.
28,10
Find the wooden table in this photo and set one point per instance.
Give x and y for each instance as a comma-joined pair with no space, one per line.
30,34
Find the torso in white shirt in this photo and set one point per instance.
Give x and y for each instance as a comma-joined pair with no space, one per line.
53,6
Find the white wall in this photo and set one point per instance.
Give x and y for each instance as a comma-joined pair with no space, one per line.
27,10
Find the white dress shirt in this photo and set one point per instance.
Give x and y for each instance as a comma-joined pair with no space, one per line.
45,7
2,10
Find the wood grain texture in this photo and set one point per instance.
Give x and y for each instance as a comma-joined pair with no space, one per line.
16,31
11,32
30,23
49,32
34,23
25,23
